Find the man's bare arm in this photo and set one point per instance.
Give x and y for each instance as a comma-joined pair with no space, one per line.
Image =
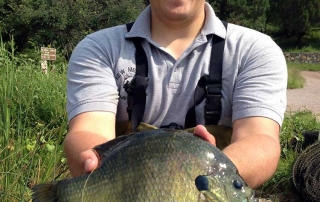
87,130
255,149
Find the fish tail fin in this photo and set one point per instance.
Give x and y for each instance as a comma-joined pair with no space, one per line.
46,192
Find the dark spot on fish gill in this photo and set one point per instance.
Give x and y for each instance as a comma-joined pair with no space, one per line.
237,184
202,183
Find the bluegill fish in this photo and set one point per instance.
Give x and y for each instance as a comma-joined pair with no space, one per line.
156,165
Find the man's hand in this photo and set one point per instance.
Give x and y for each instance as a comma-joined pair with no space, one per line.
202,132
86,131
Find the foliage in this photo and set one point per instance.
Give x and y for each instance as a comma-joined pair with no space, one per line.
32,125
27,94
294,125
249,13
62,24
309,43
296,18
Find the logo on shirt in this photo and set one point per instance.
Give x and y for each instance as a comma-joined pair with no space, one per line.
124,78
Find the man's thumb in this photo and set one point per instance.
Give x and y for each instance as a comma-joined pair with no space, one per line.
90,160
202,132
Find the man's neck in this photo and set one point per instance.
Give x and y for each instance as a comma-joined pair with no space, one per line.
176,36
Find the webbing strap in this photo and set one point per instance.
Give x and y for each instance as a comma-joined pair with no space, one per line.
210,87
137,88
199,95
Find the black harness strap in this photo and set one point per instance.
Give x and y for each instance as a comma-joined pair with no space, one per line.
136,89
199,96
208,86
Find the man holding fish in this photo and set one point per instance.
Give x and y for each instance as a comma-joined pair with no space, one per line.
176,36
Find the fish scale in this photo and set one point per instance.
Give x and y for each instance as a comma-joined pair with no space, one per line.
158,165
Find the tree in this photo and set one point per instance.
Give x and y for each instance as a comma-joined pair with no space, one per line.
63,23
297,16
249,13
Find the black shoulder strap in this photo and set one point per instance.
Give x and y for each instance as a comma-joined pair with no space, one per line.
136,89
210,87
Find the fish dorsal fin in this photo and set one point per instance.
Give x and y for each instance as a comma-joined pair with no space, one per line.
104,148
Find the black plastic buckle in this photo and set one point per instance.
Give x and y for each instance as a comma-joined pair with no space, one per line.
213,103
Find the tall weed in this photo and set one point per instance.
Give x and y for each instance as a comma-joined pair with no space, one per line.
32,126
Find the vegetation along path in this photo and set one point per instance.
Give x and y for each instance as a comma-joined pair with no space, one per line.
307,97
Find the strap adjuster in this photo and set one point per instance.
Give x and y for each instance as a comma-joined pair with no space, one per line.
213,103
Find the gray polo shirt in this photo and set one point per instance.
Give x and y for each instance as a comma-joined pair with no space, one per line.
254,74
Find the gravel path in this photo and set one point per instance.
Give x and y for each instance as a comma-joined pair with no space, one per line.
307,97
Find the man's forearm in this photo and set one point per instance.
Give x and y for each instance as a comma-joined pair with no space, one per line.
86,131
256,158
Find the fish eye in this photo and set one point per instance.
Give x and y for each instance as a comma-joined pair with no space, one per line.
202,183
237,184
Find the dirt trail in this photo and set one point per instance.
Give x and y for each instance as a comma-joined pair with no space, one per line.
307,97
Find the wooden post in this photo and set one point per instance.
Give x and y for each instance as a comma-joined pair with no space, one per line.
44,66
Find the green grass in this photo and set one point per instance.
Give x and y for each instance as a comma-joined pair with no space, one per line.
32,126
295,80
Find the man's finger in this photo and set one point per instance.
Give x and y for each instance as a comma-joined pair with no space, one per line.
90,160
202,132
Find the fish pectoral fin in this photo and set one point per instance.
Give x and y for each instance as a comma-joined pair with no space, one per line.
45,192
105,147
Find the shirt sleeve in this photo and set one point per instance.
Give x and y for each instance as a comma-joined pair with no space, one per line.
260,87
91,84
